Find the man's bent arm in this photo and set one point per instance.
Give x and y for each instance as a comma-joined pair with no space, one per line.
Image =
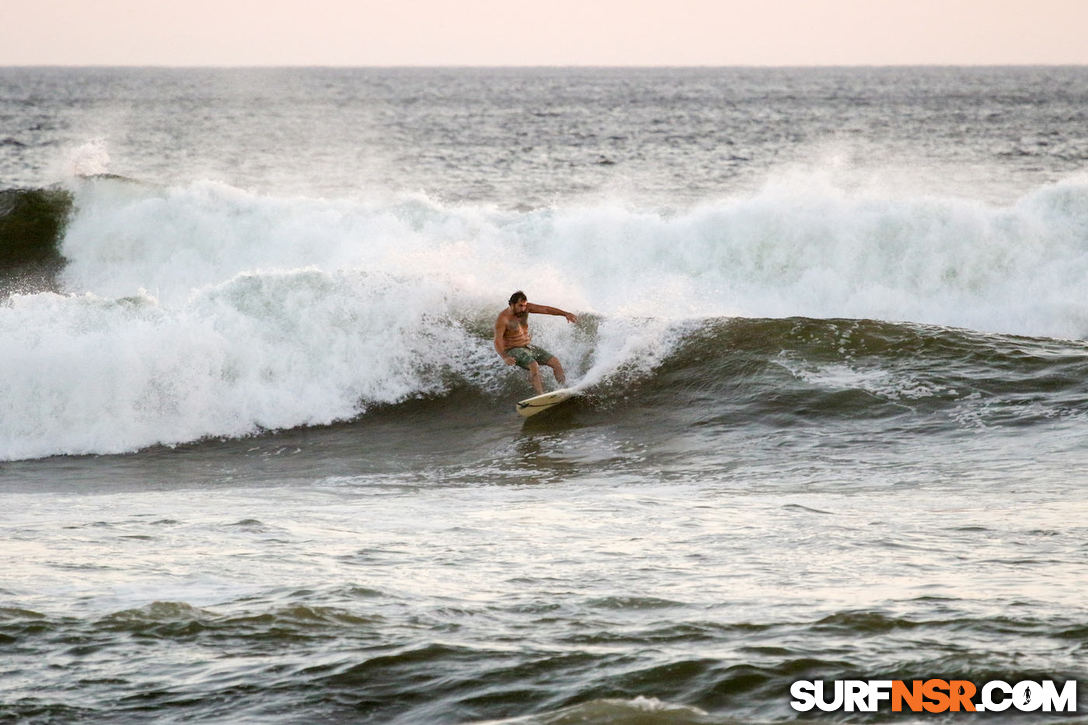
500,347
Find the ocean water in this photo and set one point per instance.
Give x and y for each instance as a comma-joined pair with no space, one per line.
260,463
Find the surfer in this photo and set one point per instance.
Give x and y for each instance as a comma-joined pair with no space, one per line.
512,339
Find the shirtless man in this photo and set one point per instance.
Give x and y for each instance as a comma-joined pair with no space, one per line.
512,339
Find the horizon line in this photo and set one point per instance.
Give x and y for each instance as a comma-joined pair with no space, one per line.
542,66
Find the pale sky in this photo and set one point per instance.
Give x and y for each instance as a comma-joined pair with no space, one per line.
542,32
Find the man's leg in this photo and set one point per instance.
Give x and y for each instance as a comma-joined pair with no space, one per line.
553,363
534,377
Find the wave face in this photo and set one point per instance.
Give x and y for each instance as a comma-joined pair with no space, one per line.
203,310
31,223
863,373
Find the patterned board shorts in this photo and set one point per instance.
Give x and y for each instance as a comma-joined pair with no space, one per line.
524,356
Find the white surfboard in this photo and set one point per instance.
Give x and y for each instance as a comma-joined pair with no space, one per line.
540,403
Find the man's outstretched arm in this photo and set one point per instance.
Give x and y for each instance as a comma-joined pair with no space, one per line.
545,310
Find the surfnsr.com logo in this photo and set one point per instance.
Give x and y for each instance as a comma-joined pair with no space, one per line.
933,696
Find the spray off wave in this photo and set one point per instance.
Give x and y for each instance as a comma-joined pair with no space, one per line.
203,310
800,247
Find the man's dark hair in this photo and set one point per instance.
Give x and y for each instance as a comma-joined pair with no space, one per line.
517,297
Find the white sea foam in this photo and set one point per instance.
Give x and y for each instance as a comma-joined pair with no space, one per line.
273,350
206,310
789,250
87,159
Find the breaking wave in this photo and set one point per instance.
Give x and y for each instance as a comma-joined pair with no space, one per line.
203,310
